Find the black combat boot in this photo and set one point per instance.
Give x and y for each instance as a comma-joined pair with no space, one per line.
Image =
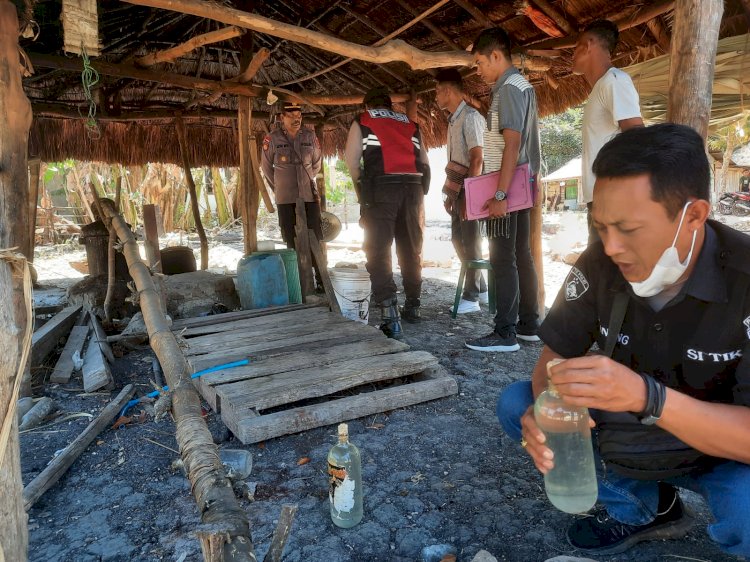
410,310
391,325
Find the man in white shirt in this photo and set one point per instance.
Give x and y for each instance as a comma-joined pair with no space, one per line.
613,105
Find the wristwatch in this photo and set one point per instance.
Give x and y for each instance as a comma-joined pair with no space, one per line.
500,195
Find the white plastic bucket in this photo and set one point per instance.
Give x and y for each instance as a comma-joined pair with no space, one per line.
352,288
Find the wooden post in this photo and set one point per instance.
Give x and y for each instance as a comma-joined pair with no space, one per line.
15,121
182,138
302,246
695,36
535,242
15,341
150,225
247,185
34,170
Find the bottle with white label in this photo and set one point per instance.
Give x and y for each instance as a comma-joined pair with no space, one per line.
345,481
571,485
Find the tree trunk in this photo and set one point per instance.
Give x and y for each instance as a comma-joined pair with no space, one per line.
211,488
193,195
695,36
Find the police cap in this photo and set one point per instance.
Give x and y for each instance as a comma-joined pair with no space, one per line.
291,106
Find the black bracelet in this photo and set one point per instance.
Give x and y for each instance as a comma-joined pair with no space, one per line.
656,395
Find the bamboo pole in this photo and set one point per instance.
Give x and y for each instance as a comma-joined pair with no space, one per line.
211,488
695,36
182,138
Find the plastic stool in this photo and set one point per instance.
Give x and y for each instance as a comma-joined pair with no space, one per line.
474,264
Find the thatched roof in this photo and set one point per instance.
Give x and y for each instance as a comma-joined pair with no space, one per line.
135,105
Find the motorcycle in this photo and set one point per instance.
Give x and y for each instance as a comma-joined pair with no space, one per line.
736,203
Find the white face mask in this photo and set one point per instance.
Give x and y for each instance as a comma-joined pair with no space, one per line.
668,269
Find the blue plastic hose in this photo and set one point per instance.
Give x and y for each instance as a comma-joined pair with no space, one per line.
195,375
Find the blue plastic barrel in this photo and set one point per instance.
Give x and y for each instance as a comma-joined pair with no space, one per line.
261,281
289,257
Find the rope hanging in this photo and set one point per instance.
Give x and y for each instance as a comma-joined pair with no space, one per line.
89,78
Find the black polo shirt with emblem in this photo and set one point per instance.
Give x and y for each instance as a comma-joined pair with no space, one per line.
698,343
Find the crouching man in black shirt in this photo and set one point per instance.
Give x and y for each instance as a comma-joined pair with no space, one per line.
671,289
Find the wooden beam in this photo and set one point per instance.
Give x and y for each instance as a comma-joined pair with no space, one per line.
477,14
67,111
555,15
383,51
189,45
431,26
252,69
62,462
182,139
659,30
130,71
636,18
693,60
45,339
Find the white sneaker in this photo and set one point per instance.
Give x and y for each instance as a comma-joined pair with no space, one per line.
464,307
484,298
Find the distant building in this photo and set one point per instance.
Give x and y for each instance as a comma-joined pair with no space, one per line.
562,188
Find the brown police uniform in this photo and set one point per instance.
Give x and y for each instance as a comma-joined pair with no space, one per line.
290,166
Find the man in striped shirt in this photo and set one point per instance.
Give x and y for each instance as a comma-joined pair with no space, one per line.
511,139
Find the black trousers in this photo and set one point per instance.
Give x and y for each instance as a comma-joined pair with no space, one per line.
396,212
468,244
515,276
288,220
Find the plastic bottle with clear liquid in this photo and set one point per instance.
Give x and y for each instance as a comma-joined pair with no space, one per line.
571,485
345,481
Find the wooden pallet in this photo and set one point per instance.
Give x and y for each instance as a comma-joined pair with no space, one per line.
301,362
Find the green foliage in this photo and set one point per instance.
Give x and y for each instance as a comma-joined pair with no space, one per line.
55,168
561,138
339,184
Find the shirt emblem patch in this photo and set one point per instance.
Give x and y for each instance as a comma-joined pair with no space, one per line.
576,285
746,322
266,142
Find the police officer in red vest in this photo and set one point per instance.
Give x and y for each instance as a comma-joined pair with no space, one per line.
389,167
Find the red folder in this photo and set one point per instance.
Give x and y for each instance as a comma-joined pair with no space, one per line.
480,188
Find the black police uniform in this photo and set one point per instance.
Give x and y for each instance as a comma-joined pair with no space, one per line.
694,344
